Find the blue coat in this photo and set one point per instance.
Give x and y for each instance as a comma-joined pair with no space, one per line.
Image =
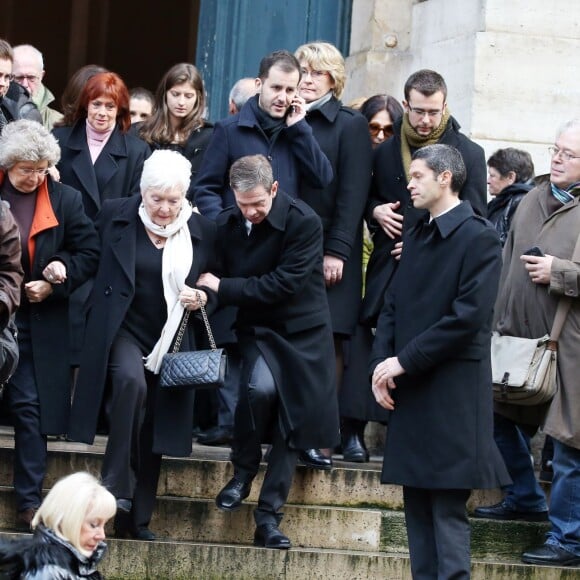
437,321
295,156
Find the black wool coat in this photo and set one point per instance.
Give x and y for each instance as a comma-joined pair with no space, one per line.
437,320
343,136
74,242
112,293
389,184
274,277
116,173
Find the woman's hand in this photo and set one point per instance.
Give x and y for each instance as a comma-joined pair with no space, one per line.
37,290
189,298
332,268
210,281
387,217
383,382
55,272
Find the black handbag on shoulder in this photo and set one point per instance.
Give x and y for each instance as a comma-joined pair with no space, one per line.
197,369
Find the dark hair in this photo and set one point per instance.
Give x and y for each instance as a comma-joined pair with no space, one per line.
377,103
427,82
249,171
6,52
516,160
72,91
110,85
142,93
157,129
440,158
280,58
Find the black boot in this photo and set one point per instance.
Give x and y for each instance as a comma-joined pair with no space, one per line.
353,445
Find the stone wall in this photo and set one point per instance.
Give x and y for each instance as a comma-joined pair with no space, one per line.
511,67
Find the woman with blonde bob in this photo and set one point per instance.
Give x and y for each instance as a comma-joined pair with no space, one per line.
69,533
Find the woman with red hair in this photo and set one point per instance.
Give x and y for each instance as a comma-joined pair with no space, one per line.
101,160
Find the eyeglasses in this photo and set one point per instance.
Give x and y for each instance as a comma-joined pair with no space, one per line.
5,77
565,155
422,112
376,128
30,78
27,172
314,74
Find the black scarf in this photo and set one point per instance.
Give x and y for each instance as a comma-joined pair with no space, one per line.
269,125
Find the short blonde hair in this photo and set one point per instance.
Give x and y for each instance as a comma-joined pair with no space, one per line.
68,503
325,57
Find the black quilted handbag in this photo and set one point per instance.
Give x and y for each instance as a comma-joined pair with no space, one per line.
198,369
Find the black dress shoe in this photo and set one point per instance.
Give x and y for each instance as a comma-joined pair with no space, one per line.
216,436
315,459
549,555
353,449
502,511
144,533
269,536
230,498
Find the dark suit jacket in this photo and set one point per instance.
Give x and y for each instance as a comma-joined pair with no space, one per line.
116,173
110,299
295,157
437,321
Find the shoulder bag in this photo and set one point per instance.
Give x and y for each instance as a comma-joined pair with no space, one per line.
198,369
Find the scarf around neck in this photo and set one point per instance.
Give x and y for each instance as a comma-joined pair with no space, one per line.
175,266
312,106
410,138
565,195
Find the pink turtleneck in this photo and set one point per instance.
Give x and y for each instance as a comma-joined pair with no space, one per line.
96,141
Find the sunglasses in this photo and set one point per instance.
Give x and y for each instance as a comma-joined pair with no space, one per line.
376,128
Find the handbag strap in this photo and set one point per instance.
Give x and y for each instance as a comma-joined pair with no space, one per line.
564,304
183,326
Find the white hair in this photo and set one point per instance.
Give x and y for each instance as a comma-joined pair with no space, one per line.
165,169
571,124
32,50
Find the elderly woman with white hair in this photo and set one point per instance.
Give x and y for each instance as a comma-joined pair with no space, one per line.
153,249
60,252
69,533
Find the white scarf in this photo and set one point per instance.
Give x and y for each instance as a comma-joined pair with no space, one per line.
176,264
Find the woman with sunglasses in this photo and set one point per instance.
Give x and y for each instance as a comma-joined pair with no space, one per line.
381,112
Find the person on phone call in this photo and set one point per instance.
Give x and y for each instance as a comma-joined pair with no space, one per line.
531,286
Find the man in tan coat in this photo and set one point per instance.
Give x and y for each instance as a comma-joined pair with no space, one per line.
530,288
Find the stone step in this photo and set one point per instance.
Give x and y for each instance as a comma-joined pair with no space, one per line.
315,527
132,560
208,470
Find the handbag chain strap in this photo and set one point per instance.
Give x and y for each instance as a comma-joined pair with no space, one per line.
184,322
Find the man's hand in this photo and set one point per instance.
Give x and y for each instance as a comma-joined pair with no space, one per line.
55,272
389,219
37,290
383,382
538,267
297,111
397,251
332,267
210,281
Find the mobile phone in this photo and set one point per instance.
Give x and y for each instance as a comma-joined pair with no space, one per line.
535,251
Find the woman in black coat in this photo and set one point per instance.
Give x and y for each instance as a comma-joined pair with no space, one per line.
178,122
344,138
60,252
101,160
153,249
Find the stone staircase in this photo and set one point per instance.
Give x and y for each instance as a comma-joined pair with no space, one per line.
343,525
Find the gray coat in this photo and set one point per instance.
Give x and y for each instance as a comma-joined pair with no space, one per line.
526,309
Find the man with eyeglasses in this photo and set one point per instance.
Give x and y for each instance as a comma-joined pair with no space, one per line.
531,287
15,101
390,211
28,71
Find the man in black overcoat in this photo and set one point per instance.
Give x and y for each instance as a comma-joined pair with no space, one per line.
431,366
271,253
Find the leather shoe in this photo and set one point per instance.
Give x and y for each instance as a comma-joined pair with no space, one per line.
315,459
502,511
269,536
216,436
24,519
124,505
550,555
353,449
230,498
143,533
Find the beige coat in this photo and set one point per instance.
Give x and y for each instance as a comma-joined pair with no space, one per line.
526,309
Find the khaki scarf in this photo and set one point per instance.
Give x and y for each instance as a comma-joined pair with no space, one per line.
410,138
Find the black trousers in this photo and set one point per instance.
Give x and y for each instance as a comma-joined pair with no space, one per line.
438,533
256,421
30,452
130,468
